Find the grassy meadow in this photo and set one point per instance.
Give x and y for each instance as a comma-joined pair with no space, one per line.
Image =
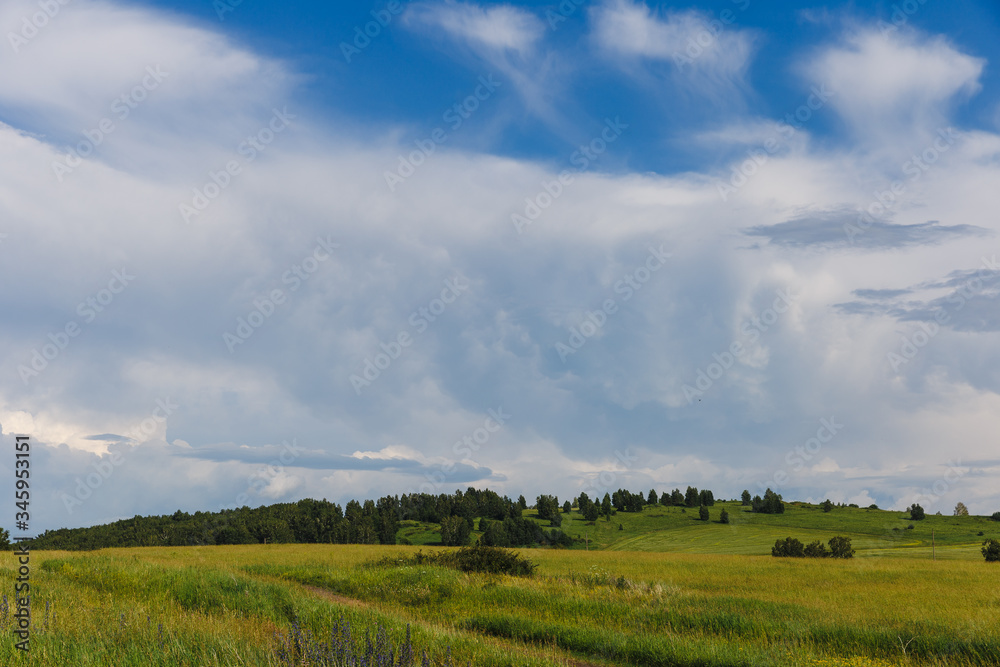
665,589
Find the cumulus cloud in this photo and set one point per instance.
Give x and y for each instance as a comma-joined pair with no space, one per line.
895,84
321,272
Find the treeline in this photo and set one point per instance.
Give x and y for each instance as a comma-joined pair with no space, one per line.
370,522
624,500
306,521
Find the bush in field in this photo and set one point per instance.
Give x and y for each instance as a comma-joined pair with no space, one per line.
477,558
724,517
816,549
788,548
991,551
827,505
916,512
490,560
840,547
703,513
996,516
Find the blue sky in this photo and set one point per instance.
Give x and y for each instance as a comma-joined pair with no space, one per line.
731,244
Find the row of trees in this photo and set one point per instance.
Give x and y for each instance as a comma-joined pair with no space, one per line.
840,547
624,500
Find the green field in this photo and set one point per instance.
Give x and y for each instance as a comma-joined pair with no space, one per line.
665,589
678,530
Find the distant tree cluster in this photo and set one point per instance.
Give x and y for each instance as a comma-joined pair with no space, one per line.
770,504
840,547
995,516
519,532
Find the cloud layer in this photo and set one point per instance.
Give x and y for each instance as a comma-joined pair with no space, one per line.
228,271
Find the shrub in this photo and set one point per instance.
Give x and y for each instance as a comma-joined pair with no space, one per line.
916,512
910,527
816,549
788,548
724,517
840,547
991,551
873,506
477,558
996,516
555,520
703,513
827,505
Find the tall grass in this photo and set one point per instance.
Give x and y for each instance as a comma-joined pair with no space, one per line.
245,605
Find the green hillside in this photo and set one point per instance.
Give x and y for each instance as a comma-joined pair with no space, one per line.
678,530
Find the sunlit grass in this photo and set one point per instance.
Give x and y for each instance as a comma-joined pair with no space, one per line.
223,606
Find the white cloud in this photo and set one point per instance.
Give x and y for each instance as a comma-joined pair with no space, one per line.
499,27
707,52
895,84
